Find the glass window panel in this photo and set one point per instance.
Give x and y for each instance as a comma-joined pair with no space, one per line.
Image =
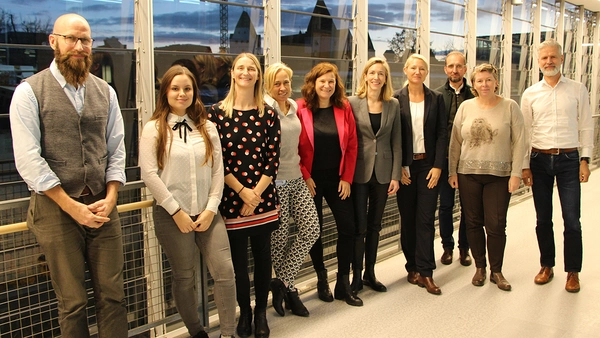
396,13
315,36
336,8
524,11
549,14
195,27
447,18
388,41
488,24
493,6
489,50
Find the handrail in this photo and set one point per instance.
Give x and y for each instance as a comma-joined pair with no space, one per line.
22,226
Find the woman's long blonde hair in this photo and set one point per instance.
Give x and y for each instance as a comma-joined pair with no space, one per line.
195,111
386,91
227,103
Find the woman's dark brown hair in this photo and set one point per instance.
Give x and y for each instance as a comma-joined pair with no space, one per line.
309,93
195,111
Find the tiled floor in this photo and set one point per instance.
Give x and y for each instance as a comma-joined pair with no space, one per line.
464,310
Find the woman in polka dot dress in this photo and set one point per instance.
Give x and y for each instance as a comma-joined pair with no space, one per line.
249,131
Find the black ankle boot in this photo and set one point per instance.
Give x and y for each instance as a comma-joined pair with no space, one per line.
244,327
279,294
323,287
370,280
296,304
261,328
344,291
357,283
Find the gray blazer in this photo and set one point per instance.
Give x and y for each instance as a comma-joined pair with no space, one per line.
381,152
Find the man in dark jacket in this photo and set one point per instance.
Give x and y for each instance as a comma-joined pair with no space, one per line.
455,91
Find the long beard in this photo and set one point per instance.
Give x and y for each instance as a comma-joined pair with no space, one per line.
73,69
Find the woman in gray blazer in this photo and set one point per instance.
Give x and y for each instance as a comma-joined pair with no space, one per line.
378,165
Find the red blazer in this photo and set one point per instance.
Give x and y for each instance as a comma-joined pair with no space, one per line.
346,126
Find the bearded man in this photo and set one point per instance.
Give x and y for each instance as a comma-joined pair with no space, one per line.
68,134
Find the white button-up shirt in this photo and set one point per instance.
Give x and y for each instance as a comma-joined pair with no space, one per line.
557,117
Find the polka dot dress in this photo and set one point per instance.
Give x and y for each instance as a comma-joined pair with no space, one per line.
250,145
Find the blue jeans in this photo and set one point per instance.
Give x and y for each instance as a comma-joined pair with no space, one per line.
447,194
182,251
68,246
565,168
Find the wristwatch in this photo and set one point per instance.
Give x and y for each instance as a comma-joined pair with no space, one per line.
586,159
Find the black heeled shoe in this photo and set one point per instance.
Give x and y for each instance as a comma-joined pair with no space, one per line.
244,327
296,304
344,291
261,328
370,280
323,287
279,294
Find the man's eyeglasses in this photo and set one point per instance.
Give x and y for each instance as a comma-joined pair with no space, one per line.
71,40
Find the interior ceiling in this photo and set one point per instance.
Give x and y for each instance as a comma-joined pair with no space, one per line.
592,5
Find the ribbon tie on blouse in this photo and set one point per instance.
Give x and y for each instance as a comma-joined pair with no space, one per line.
182,125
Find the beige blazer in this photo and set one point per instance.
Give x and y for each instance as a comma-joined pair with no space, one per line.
381,153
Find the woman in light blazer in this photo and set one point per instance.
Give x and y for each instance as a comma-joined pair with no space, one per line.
378,164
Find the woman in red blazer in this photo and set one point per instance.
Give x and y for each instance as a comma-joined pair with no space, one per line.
328,149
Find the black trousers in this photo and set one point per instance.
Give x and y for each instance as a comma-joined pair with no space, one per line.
417,204
343,213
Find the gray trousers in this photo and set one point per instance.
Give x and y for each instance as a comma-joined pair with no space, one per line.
68,246
181,250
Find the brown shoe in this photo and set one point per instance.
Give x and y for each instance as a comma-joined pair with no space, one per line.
465,258
479,277
544,276
412,277
429,284
447,257
572,282
498,279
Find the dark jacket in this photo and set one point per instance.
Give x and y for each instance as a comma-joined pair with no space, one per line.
434,125
447,92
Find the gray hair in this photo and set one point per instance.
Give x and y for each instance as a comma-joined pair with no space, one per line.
550,43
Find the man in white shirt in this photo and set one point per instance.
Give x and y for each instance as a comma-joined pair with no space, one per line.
558,122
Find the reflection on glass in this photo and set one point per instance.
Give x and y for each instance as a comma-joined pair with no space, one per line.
550,13
337,8
488,24
447,18
524,11
318,35
198,27
493,6
489,51
396,13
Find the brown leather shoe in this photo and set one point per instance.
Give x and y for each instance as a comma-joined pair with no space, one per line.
447,257
429,284
479,277
412,277
465,258
544,276
498,279
572,282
